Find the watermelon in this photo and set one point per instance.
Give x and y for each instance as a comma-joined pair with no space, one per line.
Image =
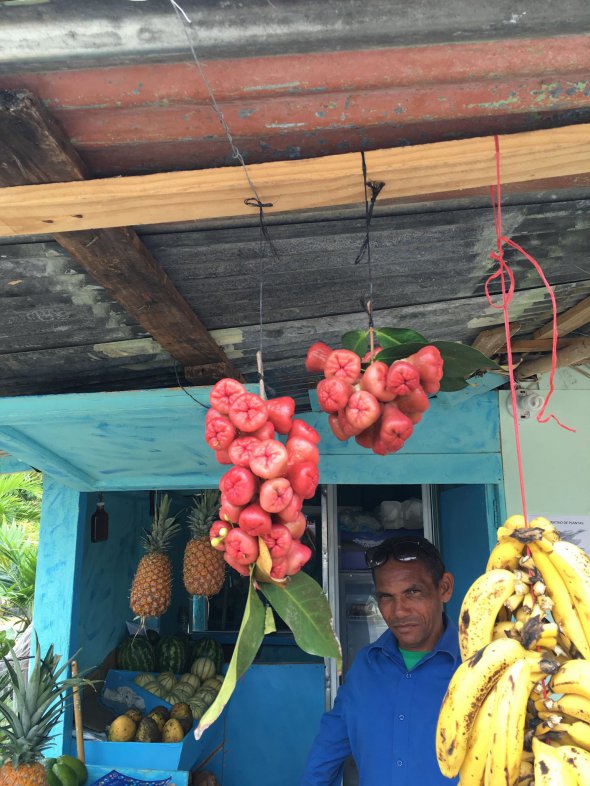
171,654
208,648
136,654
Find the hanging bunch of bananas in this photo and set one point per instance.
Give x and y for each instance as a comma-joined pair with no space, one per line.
517,711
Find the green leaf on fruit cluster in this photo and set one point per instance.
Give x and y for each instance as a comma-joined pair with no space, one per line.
460,360
247,645
393,337
356,341
399,352
303,605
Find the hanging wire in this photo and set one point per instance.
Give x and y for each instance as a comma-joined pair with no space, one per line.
367,302
254,201
187,25
184,390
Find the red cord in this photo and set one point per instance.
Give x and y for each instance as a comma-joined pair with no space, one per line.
503,271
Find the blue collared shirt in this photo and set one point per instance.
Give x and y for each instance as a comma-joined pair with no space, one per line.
385,716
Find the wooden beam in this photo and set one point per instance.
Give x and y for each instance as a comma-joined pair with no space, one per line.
33,149
292,185
577,352
491,341
539,345
570,320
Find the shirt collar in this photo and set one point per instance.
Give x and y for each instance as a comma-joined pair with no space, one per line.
448,643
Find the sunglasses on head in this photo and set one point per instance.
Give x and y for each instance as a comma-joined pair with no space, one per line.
401,550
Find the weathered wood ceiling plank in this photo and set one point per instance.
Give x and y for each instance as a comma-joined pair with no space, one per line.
36,150
436,168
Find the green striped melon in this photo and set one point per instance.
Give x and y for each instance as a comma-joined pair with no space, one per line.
214,683
204,668
190,679
209,648
136,654
167,680
174,697
143,679
198,708
171,654
208,695
184,689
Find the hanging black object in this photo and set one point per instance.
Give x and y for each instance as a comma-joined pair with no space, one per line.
99,522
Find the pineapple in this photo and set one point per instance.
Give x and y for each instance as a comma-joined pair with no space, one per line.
204,566
30,710
152,583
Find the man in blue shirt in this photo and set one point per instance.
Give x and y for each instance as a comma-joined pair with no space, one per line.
386,711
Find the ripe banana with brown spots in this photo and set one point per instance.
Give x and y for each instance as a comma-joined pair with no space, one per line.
573,677
467,690
480,607
512,693
579,760
564,612
551,769
573,565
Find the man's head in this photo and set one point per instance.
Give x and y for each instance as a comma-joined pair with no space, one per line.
411,586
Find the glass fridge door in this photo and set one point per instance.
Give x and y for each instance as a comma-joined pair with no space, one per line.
360,620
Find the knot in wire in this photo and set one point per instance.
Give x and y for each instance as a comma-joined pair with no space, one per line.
367,307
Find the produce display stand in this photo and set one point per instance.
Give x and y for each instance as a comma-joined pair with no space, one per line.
169,756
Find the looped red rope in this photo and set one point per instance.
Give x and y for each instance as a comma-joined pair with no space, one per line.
502,272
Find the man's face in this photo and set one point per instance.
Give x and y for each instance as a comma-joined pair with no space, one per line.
411,603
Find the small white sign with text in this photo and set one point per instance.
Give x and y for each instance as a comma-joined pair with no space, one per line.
576,529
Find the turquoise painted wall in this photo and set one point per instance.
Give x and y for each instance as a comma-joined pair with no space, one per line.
556,462
59,584
107,572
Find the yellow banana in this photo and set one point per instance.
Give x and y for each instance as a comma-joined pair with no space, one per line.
579,760
550,534
467,690
474,764
573,677
575,706
513,522
527,769
573,565
512,691
513,602
580,733
563,610
505,555
551,769
484,598
506,629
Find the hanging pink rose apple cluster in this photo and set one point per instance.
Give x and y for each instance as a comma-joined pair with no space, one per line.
379,405
262,494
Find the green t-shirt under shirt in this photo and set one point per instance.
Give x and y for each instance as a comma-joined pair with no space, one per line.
412,658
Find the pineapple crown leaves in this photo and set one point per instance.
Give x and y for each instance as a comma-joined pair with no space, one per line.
204,512
36,705
157,540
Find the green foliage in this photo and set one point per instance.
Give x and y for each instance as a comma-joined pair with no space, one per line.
303,606
248,642
460,360
20,512
20,500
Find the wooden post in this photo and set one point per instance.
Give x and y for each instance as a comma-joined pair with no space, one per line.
78,715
